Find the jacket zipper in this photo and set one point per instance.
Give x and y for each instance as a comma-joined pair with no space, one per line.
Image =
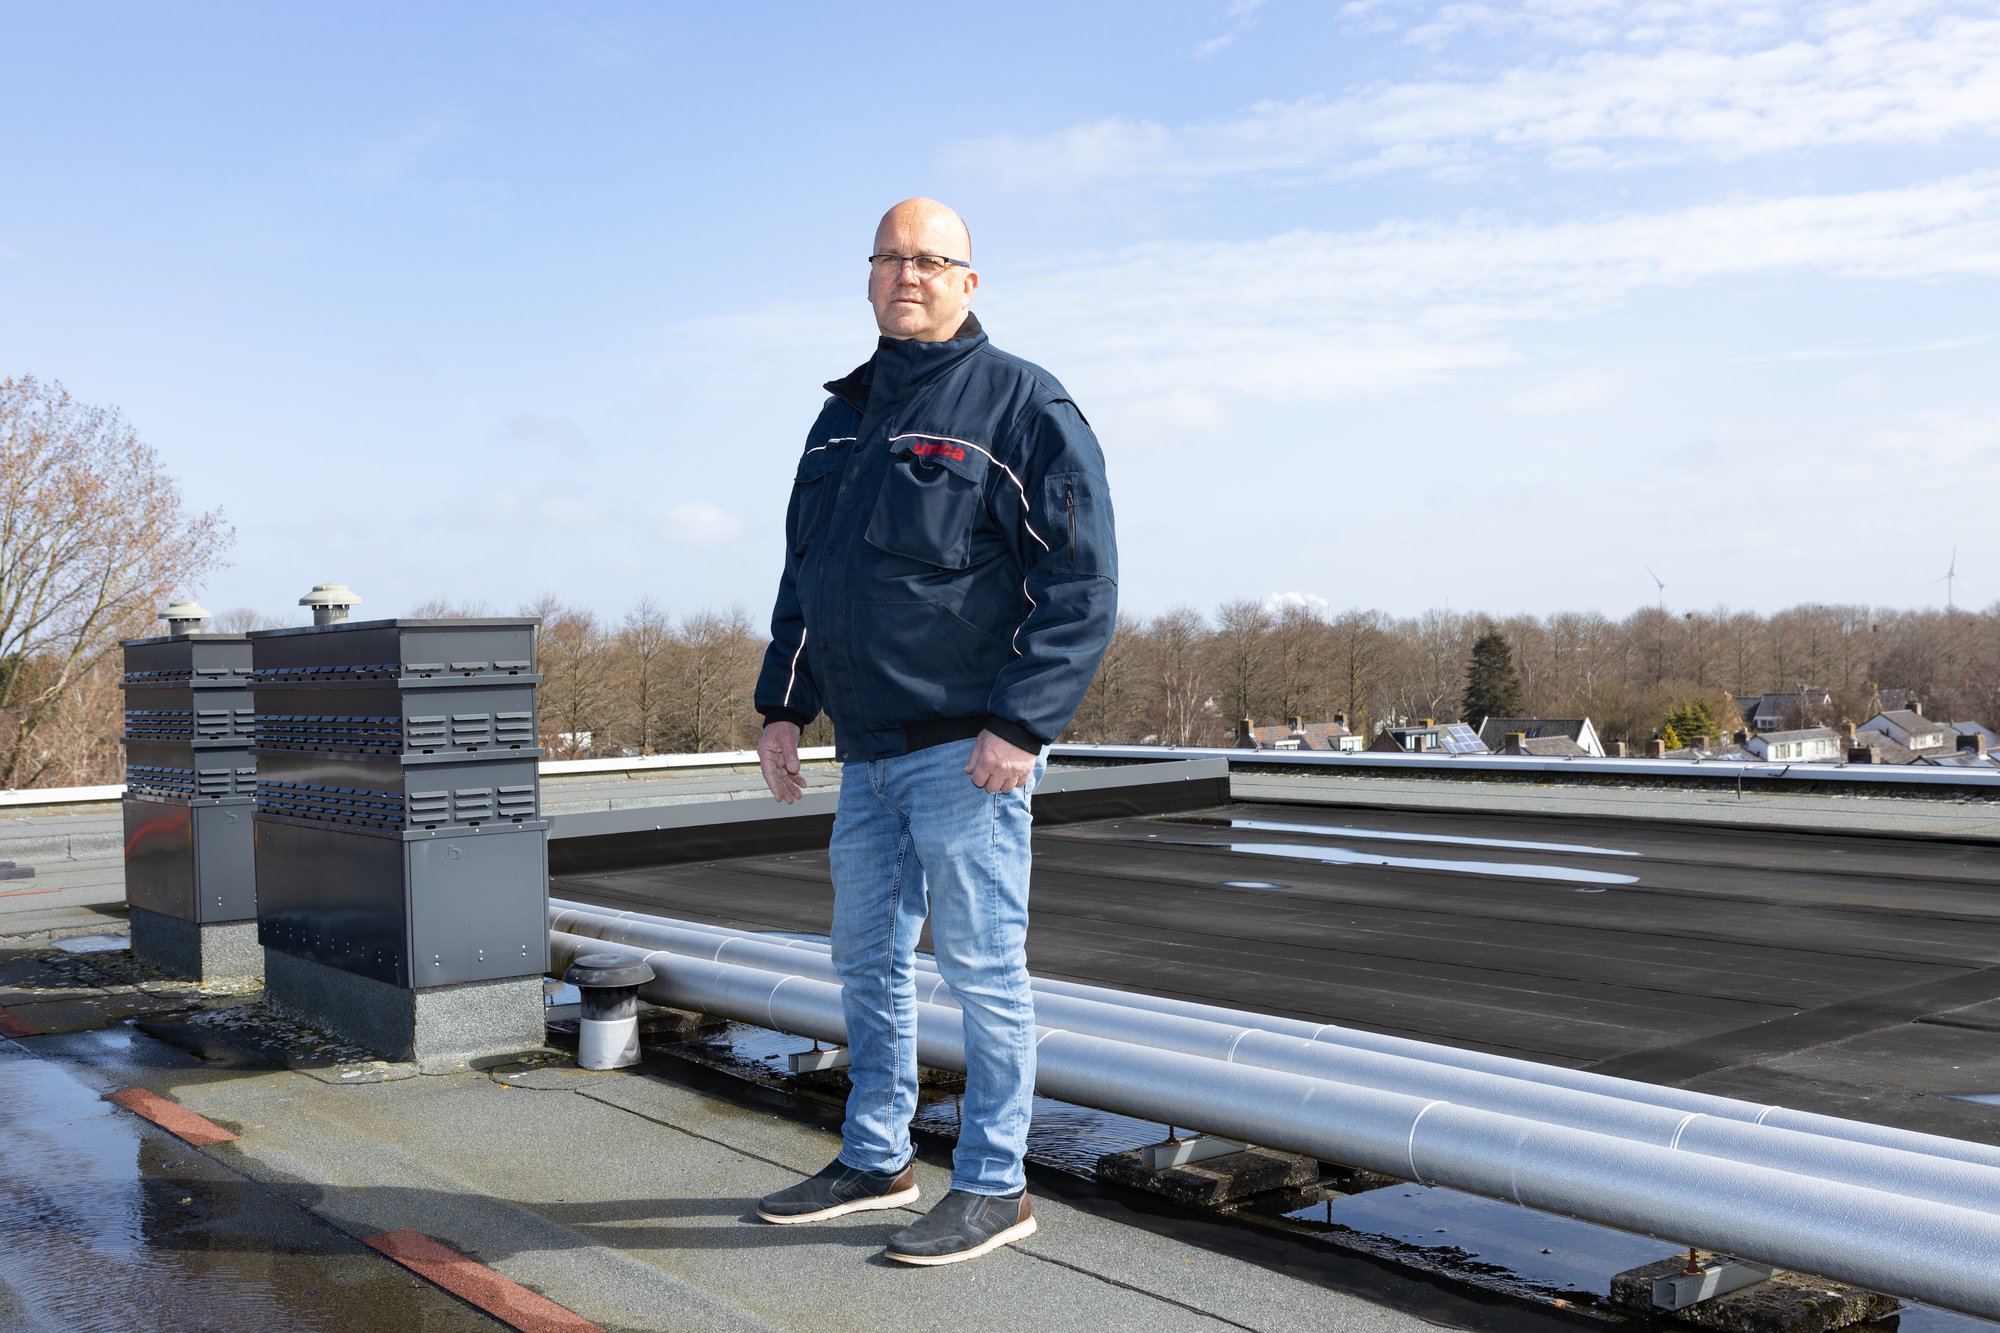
1069,498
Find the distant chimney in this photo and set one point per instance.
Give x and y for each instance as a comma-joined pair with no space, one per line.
1701,743
1340,719
1246,738
1516,743
1860,754
1847,733
1917,707
185,617
1298,724
1656,748
1741,737
1972,742
1618,750
330,602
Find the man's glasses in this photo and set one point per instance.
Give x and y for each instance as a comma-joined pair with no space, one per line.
926,266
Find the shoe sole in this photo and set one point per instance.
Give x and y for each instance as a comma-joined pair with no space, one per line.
1019,1231
896,1200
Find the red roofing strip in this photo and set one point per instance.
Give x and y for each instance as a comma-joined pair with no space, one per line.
471,1281
172,1117
12,1026
18,893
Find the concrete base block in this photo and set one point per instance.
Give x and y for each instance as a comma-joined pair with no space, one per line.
1782,1303
437,1027
1212,1183
215,951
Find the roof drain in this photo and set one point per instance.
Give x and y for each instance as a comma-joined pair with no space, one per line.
1913,1247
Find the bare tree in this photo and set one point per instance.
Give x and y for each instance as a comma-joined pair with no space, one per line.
1360,646
576,688
1180,709
243,619
645,637
443,608
1107,713
93,540
714,665
1242,647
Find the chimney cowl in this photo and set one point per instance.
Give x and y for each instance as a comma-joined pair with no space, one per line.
185,617
330,602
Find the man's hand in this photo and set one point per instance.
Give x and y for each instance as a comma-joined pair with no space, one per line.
998,766
778,756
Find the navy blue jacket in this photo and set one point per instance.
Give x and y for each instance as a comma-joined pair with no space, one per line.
950,565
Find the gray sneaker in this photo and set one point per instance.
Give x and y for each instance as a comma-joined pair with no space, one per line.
838,1189
963,1226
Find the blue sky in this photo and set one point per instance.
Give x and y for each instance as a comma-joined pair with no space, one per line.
1373,304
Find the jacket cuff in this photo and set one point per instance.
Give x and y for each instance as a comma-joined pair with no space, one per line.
1016,735
799,720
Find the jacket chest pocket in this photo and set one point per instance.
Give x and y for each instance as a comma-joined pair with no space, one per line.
812,494
931,500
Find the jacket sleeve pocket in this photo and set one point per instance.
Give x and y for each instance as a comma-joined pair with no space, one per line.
1078,512
930,505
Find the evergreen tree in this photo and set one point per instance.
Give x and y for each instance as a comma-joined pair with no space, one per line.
1492,686
1689,720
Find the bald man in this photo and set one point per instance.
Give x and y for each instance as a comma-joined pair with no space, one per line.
950,584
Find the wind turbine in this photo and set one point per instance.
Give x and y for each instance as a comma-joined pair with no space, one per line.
1948,578
1656,578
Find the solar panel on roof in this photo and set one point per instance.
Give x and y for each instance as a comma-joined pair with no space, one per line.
1457,738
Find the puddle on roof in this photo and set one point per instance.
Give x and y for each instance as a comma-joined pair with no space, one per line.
1250,884
113,1224
1465,1233
1386,835
1982,1098
93,943
1344,856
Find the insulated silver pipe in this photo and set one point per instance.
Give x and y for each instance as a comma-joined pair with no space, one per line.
1931,1252
1630,1090
1893,1170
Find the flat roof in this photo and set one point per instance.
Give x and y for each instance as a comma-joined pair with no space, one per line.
1857,976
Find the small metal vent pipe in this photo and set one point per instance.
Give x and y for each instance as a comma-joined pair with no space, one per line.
1928,1251
1920,1175
1331,1035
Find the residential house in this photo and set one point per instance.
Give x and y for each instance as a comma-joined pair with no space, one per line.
1775,712
1577,730
1913,731
1430,738
1298,734
1807,746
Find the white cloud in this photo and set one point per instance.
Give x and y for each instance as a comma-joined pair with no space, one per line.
1316,315
1279,602
700,523
1710,85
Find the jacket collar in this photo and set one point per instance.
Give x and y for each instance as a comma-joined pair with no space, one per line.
900,364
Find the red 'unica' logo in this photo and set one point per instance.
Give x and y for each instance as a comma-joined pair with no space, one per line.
925,448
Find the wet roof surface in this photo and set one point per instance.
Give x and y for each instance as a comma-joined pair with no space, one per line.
1851,975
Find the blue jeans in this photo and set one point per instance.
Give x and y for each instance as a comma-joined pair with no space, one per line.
913,835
